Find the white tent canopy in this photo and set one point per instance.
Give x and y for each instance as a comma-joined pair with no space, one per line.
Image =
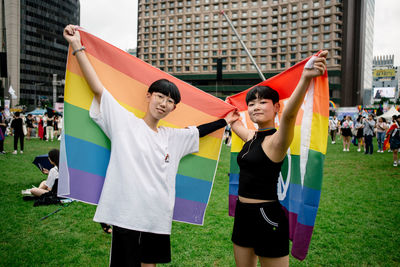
388,115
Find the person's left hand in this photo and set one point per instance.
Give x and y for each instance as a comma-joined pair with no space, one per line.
232,116
319,67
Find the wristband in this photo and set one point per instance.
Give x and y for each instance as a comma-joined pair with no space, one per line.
78,50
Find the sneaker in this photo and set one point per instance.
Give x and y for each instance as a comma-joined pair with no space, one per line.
348,150
22,152
344,149
334,142
395,164
15,152
358,150
26,192
2,152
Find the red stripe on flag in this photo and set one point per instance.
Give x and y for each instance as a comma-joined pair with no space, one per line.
147,74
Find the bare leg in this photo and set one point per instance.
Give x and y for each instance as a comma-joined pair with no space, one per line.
274,262
148,264
344,143
395,154
38,191
244,257
43,185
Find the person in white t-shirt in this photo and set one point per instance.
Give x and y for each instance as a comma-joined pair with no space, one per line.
139,190
333,125
52,175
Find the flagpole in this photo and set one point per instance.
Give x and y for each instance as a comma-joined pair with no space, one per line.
244,47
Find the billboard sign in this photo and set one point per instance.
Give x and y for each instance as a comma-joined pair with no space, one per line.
384,73
347,111
386,92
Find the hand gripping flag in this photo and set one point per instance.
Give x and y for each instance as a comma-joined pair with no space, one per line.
85,149
299,186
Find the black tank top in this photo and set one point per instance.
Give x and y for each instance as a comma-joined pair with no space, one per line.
259,175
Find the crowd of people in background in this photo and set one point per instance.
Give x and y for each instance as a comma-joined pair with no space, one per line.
21,126
363,129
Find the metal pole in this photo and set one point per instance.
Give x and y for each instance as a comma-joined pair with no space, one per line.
244,47
35,100
54,90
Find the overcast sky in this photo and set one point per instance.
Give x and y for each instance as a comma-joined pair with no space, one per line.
116,23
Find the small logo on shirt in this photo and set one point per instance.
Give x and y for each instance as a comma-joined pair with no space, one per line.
166,158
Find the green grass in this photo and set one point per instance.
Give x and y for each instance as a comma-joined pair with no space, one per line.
357,223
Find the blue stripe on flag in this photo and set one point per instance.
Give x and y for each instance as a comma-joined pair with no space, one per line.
306,211
233,184
85,156
192,188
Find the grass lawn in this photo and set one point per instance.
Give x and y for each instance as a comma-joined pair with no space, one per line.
357,224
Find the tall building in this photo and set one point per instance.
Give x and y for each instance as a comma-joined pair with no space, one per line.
34,46
368,51
357,50
186,38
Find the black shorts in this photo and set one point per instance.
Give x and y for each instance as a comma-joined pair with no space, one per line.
262,226
130,247
346,132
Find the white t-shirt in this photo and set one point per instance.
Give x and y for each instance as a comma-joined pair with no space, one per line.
52,176
139,188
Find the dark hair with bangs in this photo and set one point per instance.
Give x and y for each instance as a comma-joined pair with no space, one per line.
262,92
167,88
54,155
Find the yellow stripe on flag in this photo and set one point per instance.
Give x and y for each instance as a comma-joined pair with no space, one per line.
319,128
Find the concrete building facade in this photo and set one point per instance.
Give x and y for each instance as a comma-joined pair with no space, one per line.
186,38
32,40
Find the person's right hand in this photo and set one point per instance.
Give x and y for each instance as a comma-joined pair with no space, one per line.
71,34
45,171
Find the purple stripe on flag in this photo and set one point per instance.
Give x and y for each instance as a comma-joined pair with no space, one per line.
80,181
300,235
189,211
232,204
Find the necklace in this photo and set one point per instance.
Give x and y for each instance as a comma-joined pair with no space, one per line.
265,129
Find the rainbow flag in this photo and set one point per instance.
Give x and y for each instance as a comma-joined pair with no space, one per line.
299,186
85,149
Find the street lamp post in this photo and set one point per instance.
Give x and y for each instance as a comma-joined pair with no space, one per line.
56,83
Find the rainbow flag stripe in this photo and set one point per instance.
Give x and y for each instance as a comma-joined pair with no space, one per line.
299,187
85,149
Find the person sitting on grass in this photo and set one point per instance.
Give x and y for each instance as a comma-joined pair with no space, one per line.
52,176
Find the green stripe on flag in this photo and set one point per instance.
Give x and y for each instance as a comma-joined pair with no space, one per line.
314,170
78,124
234,166
197,167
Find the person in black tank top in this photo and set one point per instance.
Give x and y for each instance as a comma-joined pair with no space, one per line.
261,228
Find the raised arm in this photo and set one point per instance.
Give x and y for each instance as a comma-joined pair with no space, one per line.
278,144
240,130
71,34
